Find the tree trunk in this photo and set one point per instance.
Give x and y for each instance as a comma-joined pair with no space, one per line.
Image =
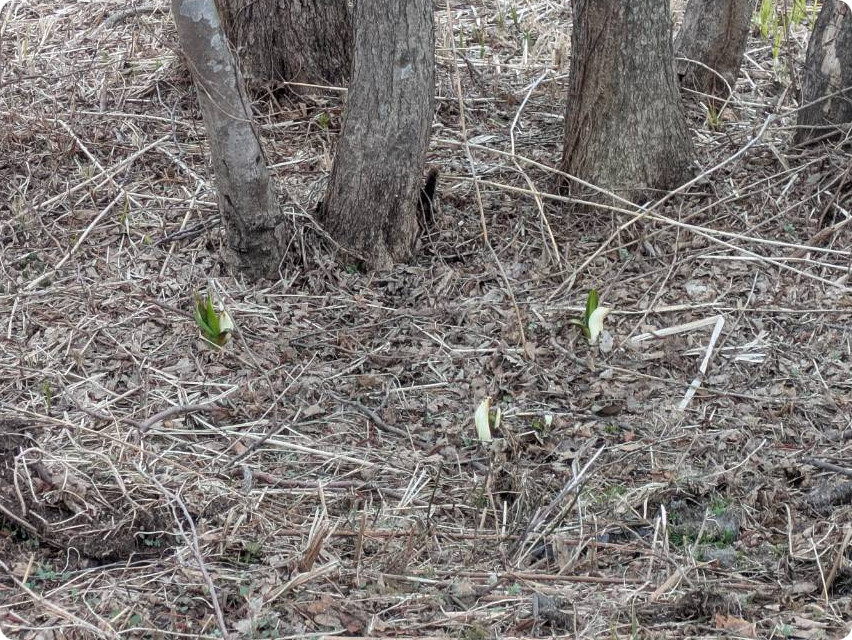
293,40
714,34
828,70
247,200
373,193
625,128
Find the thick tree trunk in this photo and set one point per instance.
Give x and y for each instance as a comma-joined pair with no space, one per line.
373,193
294,40
828,70
625,128
712,38
247,200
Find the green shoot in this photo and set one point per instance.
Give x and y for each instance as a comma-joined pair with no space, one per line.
47,393
799,12
591,324
773,29
767,19
712,116
323,120
216,327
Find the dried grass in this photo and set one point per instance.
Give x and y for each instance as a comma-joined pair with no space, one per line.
320,475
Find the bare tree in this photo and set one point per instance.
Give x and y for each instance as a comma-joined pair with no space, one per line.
711,43
297,40
374,189
248,203
827,76
625,128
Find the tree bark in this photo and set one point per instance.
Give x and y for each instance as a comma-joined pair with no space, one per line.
625,128
248,203
374,188
714,34
293,40
828,70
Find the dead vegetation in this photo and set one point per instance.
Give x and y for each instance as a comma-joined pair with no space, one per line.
320,475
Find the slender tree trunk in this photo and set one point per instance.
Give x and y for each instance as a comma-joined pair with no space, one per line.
827,72
712,38
373,193
294,40
625,128
247,200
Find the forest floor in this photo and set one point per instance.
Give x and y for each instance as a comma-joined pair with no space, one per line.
320,476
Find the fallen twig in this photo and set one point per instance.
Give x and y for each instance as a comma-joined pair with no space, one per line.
173,411
372,415
118,17
828,466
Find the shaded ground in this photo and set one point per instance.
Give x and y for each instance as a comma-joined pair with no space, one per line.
324,476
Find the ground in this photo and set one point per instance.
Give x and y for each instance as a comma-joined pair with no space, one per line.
320,476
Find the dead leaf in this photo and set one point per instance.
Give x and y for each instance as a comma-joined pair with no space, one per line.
737,625
627,447
610,409
799,588
312,411
327,620
807,624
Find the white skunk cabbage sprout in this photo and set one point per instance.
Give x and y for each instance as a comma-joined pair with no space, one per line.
596,320
592,321
482,419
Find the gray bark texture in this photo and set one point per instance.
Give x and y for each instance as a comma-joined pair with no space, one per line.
714,34
247,200
828,70
374,189
305,41
625,128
